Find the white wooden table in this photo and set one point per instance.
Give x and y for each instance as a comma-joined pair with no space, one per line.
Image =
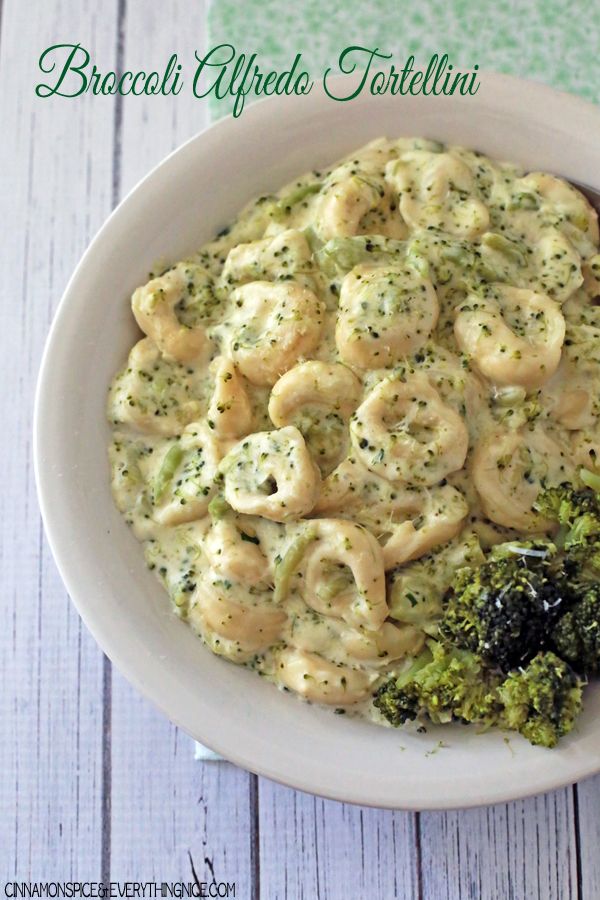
95,784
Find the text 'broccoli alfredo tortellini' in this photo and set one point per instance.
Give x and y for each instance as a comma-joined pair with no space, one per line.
318,398
513,335
272,325
405,432
437,190
271,474
386,313
359,386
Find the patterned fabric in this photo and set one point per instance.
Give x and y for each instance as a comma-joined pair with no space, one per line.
546,40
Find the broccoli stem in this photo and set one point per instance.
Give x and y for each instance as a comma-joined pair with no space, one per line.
169,466
290,562
590,479
297,195
218,507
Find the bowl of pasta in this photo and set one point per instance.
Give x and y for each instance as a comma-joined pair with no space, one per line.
343,437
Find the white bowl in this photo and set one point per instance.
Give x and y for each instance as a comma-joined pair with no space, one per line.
176,208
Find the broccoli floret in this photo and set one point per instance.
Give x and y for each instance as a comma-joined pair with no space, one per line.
543,700
395,704
503,620
577,635
444,683
578,514
505,609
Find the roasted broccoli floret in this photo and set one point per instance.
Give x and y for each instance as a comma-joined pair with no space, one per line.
576,636
505,609
504,622
578,514
444,683
396,704
543,700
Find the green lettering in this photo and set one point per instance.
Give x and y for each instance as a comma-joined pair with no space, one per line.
47,66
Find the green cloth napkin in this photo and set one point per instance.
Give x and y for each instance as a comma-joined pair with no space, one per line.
547,40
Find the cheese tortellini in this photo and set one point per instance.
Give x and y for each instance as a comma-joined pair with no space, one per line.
513,335
405,432
272,324
271,474
386,313
439,190
359,386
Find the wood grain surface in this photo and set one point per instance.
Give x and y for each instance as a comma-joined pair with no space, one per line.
94,783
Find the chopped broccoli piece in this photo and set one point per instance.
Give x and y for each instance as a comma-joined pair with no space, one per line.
543,700
292,558
218,507
395,704
578,514
504,621
171,462
505,609
577,635
444,683
341,254
590,479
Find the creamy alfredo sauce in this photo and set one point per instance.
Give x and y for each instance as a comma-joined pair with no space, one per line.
354,390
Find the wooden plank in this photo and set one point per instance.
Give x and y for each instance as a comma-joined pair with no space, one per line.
587,802
153,126
55,166
168,811
526,849
313,848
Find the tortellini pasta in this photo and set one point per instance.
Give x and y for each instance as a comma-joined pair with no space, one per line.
509,470
439,190
386,313
274,258
319,399
154,395
513,335
271,474
359,386
405,432
184,483
272,324
156,304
